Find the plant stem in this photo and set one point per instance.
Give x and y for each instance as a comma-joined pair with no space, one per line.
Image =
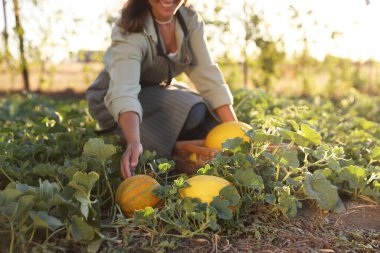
277,172
59,182
32,235
108,183
6,175
55,232
12,238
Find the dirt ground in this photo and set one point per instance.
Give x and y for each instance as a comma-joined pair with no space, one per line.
357,230
359,216
312,230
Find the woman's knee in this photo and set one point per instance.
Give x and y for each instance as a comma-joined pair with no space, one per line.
195,117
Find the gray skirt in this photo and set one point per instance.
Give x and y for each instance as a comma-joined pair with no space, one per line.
165,111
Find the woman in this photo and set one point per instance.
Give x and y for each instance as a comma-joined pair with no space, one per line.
154,41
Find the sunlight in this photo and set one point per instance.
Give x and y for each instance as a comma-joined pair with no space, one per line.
352,21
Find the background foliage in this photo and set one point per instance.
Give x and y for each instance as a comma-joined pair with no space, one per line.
251,58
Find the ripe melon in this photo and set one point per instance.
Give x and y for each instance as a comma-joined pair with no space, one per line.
204,187
224,131
136,193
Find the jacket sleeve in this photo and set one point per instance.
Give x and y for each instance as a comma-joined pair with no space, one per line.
203,72
123,63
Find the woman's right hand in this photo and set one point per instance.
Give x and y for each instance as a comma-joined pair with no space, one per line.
130,159
129,123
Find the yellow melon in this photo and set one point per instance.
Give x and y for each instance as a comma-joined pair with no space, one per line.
224,131
204,187
136,193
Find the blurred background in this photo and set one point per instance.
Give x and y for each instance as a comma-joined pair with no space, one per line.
289,47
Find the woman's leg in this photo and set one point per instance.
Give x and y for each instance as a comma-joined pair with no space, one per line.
198,123
195,117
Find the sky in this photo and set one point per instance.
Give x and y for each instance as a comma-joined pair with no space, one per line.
79,27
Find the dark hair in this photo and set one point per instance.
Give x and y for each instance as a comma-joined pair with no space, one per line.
133,15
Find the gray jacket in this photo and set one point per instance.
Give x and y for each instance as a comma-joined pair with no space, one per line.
130,64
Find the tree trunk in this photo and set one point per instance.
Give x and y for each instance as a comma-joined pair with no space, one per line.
245,69
20,34
5,34
245,54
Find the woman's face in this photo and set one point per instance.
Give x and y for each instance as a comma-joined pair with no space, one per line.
164,9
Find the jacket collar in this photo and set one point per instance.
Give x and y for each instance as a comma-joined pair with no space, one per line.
150,31
149,28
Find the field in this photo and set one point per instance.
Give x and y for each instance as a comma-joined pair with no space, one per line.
72,76
58,181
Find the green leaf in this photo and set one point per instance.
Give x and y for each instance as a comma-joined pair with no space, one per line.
373,191
287,203
145,217
81,231
43,220
327,173
26,189
375,154
47,190
222,209
203,171
214,225
233,144
9,210
25,205
147,156
373,174
85,202
95,147
317,187
83,183
298,139
310,134
164,167
288,158
270,198
248,178
94,246
261,137
243,160
231,194
354,175
180,182
45,170
294,125
9,195
307,136
333,164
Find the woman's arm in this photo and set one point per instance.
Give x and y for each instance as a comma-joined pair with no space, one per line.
226,113
123,63
203,72
129,123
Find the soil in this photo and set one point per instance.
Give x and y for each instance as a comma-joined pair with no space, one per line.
359,216
312,230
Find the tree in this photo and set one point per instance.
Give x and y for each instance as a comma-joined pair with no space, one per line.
6,34
256,33
20,34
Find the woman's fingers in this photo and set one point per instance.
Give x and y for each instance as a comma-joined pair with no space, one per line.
125,164
134,159
130,160
122,169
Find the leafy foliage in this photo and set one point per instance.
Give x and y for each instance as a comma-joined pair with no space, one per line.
59,178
